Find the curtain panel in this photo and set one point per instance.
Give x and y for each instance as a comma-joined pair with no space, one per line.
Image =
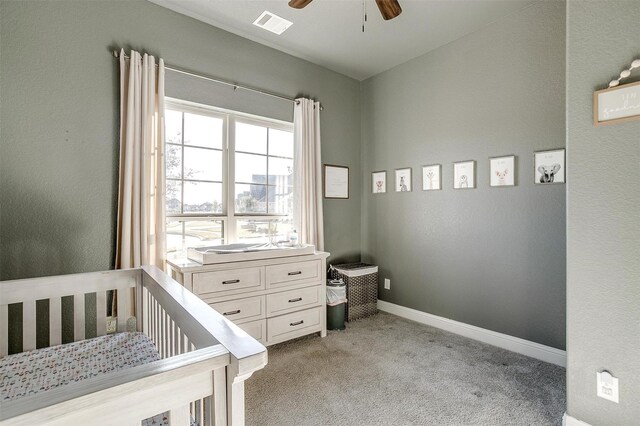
308,215
141,218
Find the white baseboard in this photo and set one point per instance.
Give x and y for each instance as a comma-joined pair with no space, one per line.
514,344
567,420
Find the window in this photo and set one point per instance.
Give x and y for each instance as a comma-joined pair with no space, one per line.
229,177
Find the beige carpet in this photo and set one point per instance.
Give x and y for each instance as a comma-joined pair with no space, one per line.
386,370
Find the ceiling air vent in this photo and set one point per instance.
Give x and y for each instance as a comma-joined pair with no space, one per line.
271,22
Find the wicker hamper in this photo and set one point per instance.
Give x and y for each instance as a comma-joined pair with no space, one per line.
362,288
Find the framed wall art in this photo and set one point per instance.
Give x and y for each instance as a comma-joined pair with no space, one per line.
431,177
549,166
379,182
336,181
403,180
618,103
502,171
464,175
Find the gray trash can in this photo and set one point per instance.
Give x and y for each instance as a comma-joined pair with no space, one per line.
336,302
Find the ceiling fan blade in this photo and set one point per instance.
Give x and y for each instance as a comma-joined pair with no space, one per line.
299,4
388,8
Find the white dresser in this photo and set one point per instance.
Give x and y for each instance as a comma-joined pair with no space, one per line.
273,300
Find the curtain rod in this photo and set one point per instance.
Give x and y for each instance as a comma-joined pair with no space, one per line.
235,86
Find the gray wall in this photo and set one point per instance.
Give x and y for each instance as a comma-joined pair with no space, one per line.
59,131
603,217
491,257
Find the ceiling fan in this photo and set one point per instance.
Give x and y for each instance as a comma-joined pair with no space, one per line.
388,8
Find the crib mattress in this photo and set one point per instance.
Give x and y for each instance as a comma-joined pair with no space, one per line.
28,373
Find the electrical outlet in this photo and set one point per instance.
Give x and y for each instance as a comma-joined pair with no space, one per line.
387,284
607,386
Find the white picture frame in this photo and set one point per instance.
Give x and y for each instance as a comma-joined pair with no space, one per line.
403,180
549,167
502,171
464,174
379,182
432,177
336,181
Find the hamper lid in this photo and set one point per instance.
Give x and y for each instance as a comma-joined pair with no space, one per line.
356,269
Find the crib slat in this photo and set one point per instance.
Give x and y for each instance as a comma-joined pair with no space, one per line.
78,317
155,324
4,330
123,309
219,397
176,340
170,337
153,320
55,321
179,416
160,325
163,352
28,326
165,333
145,311
207,414
101,313
150,317
165,328
196,413
201,412
138,309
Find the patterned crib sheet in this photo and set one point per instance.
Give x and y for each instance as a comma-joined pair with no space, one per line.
28,373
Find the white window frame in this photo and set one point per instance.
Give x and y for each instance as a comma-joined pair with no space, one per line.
228,216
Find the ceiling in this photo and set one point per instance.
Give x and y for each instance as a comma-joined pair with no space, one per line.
329,32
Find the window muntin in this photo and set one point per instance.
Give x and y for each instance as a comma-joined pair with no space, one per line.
263,230
193,232
229,177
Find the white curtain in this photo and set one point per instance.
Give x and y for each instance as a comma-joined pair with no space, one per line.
141,221
308,173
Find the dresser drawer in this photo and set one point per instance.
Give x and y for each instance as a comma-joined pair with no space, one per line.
293,300
246,309
256,329
230,281
293,273
293,325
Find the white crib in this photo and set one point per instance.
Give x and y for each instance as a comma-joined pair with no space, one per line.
204,357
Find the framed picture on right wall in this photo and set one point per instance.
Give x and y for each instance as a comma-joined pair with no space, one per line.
464,175
403,180
379,182
502,170
549,166
431,177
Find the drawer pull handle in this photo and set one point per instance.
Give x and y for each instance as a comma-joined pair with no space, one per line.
295,273
297,299
293,324
231,282
231,312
